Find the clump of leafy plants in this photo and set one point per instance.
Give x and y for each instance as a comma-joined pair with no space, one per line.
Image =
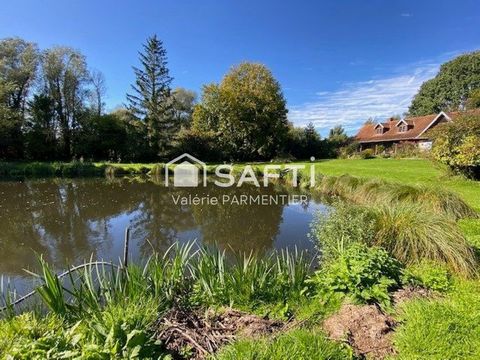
429,275
364,274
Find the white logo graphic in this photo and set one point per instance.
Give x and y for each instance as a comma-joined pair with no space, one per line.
186,173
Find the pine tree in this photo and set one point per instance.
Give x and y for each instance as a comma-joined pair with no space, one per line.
151,98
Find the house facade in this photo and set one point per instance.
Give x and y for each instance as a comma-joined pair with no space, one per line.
394,132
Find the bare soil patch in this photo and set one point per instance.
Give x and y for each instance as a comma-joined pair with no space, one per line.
410,293
366,329
196,334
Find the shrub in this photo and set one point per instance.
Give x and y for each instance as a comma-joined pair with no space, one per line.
457,144
294,345
407,150
364,274
121,331
367,154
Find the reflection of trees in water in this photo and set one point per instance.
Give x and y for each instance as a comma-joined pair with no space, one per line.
72,219
63,220
240,228
160,220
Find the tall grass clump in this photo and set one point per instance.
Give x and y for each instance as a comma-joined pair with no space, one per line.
409,232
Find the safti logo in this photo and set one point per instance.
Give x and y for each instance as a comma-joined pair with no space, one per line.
186,173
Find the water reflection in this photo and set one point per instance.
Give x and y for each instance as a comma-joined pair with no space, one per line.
69,220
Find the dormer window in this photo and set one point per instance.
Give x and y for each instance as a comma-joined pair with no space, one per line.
379,129
403,125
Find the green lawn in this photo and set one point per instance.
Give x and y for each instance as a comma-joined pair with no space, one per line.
410,171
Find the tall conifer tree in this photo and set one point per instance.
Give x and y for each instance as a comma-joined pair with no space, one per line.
151,98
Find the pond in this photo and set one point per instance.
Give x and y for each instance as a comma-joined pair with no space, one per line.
69,220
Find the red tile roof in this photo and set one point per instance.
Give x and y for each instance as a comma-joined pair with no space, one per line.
417,127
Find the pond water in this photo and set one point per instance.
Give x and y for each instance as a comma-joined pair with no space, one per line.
69,220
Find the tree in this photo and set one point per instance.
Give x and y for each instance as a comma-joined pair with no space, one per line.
473,101
97,80
450,88
457,144
337,135
183,104
11,145
337,138
150,99
102,138
41,128
312,141
65,79
136,146
248,112
18,65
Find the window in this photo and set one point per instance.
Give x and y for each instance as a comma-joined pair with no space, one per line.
379,130
403,128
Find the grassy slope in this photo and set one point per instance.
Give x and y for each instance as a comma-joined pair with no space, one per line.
415,171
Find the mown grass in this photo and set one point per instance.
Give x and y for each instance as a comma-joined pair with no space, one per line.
294,345
442,328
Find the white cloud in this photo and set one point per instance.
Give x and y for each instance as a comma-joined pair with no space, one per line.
406,15
355,102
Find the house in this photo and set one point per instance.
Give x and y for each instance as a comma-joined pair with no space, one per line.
412,130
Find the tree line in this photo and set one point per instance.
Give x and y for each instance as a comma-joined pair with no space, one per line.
52,108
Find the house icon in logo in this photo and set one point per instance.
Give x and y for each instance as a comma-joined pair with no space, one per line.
186,172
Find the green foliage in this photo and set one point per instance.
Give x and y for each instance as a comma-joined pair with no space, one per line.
473,101
441,328
407,231
102,137
367,154
365,191
151,97
412,234
201,144
120,331
247,112
251,281
349,150
345,225
293,345
450,88
429,275
303,143
365,274
457,144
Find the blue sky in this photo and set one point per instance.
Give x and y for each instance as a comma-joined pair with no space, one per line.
339,62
